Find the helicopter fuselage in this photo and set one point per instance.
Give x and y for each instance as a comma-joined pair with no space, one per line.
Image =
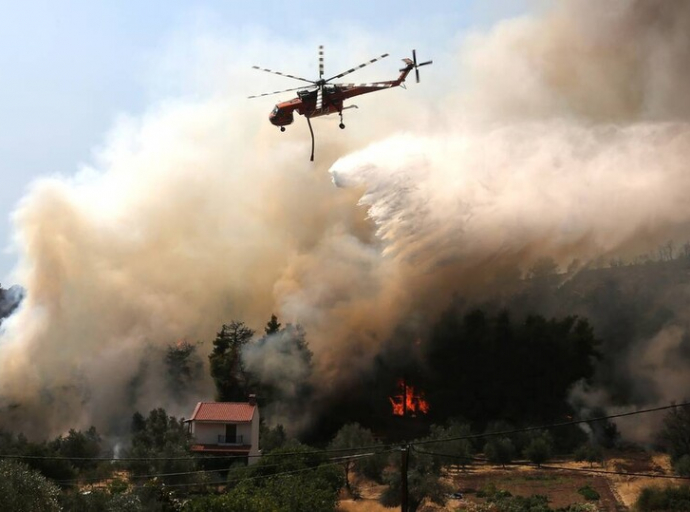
332,101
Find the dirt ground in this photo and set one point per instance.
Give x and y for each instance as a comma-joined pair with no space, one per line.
559,487
617,492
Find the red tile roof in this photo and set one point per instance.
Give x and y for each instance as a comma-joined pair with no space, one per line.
223,411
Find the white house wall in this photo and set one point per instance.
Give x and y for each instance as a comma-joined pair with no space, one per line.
255,438
207,433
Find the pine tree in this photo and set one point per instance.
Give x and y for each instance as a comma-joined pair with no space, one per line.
227,370
273,326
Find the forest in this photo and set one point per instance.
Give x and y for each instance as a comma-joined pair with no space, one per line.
496,378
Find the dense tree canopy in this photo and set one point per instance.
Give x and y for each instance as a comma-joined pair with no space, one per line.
63,458
184,368
458,452
539,448
675,437
487,368
423,482
23,489
349,441
304,480
657,499
162,443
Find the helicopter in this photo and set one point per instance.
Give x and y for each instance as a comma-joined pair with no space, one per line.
323,98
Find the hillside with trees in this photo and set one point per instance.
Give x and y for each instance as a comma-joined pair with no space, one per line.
490,371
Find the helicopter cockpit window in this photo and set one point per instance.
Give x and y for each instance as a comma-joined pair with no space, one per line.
275,110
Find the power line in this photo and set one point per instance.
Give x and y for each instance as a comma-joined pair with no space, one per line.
561,468
448,455
255,477
345,450
552,425
190,457
334,460
259,477
610,472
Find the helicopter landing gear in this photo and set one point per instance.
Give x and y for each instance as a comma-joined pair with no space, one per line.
282,128
342,125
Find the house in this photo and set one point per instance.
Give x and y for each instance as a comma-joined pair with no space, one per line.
226,428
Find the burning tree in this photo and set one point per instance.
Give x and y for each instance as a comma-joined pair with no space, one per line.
408,401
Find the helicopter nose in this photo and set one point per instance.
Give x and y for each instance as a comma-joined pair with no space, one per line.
280,117
272,117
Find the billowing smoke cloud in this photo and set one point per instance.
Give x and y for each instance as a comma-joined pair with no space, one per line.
570,141
567,136
282,362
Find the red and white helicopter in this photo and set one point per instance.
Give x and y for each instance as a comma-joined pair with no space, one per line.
323,97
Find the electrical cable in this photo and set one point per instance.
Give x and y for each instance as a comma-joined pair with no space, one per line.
335,460
256,477
610,472
560,468
189,457
552,425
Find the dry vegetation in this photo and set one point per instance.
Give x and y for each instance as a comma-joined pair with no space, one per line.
617,492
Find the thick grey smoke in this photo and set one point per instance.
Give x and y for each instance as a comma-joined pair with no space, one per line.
572,140
282,361
564,134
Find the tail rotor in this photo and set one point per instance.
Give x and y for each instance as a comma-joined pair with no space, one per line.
417,66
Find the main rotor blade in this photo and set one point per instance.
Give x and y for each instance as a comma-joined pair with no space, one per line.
320,62
425,63
414,57
416,72
275,92
370,84
282,74
352,70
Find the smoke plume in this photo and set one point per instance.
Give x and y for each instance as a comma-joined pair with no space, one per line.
563,134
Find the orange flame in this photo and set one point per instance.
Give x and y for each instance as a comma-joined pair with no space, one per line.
408,402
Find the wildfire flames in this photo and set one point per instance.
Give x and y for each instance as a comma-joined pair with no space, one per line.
408,402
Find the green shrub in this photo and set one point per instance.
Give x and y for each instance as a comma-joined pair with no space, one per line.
588,493
491,493
589,452
487,491
682,466
539,448
25,490
671,499
534,503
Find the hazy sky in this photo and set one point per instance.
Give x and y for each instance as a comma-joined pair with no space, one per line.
69,68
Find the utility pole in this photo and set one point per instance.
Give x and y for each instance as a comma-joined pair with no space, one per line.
404,397
405,452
